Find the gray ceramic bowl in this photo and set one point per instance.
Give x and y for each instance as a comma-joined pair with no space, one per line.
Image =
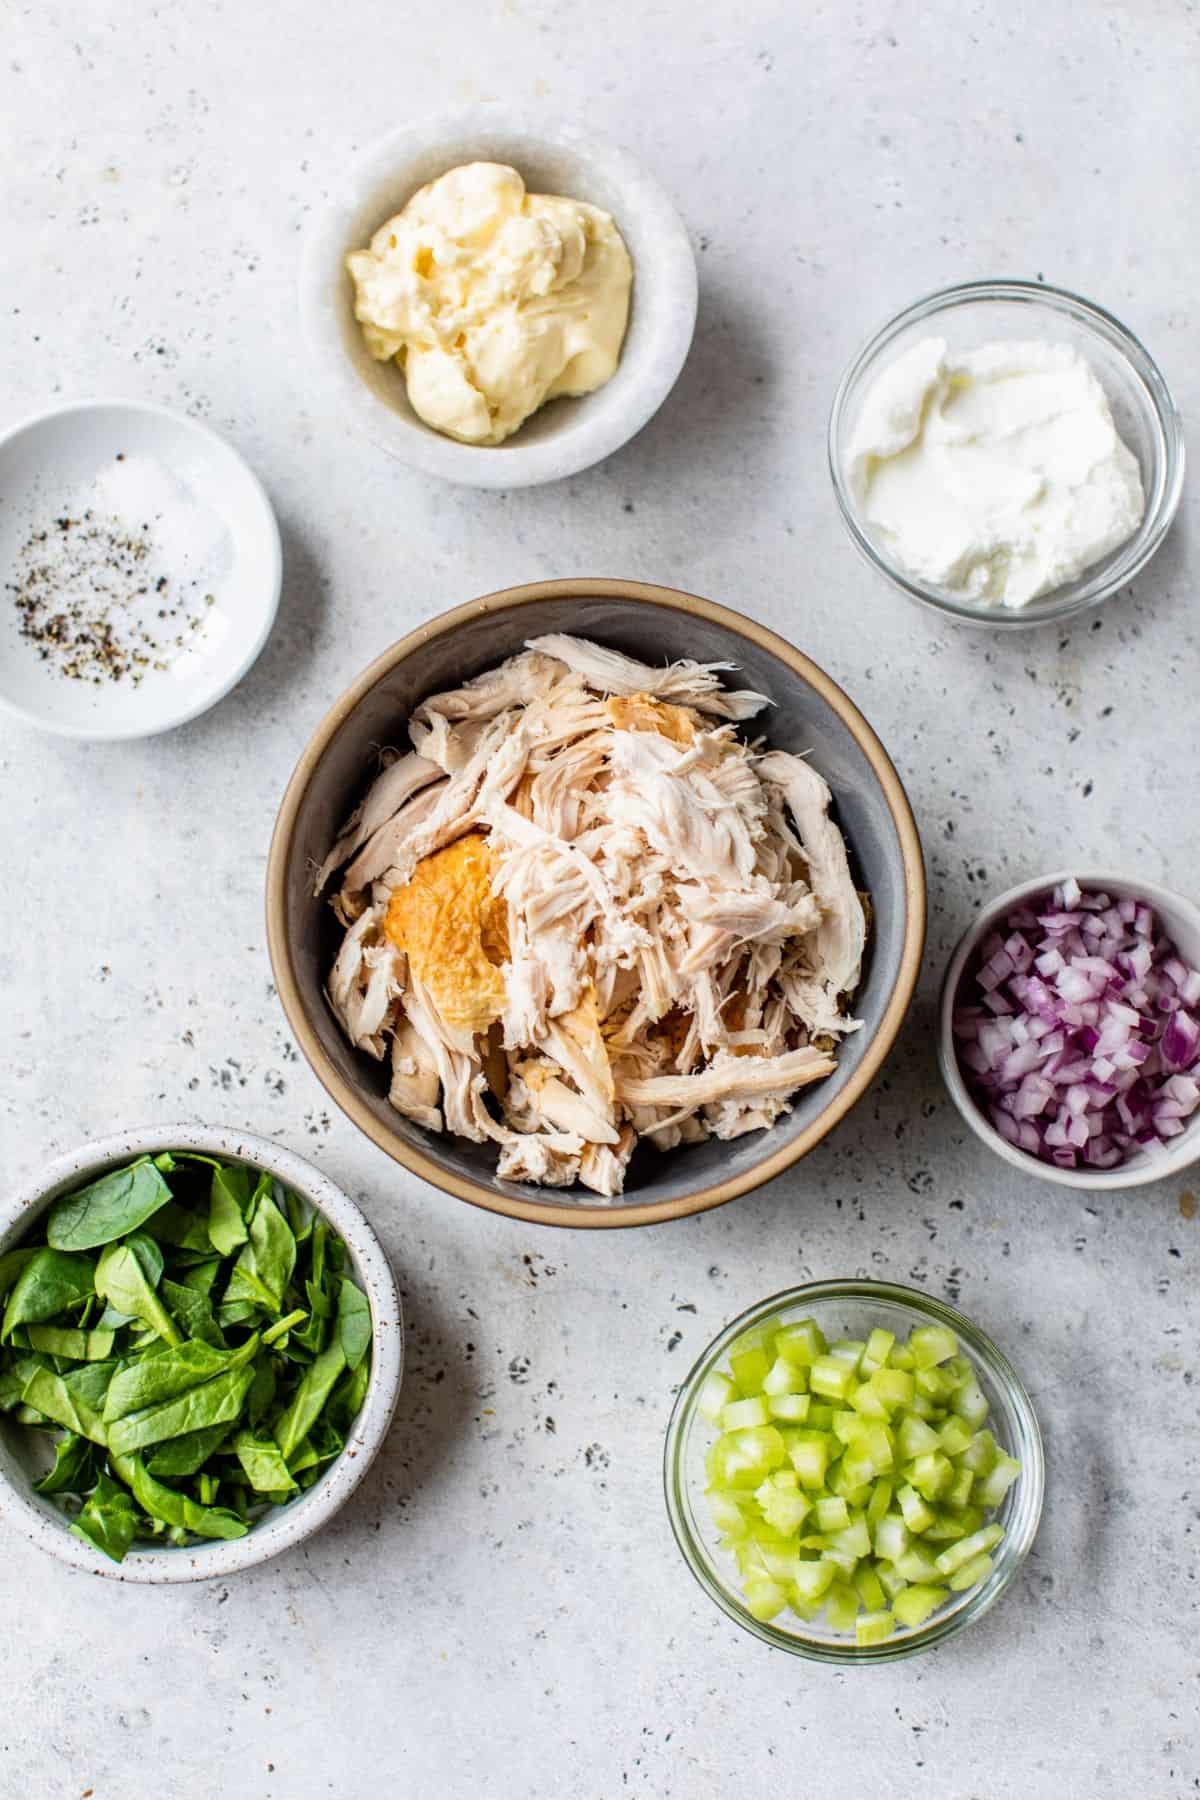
810,713
22,1452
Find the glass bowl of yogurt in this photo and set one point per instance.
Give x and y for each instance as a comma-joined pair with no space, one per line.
1006,452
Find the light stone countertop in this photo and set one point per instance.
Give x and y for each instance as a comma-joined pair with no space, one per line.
500,1612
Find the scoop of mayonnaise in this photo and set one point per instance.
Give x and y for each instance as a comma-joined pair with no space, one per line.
996,473
493,300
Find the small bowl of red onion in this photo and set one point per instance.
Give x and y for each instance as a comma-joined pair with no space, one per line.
1069,1030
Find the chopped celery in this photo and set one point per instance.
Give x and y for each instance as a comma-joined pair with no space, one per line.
891,1537
915,1604
869,1588
742,1458
868,1402
854,1482
880,1447
971,1573
991,1488
801,1343
784,1508
741,1413
954,1436
716,1391
931,1344
917,1565
841,1606
764,1597
949,1527
980,1454
810,1457
784,1377
969,1403
874,1627
848,1427
890,1580
750,1368
952,1559
832,1379
930,1474
780,1564
726,1512
877,1350
853,1539
915,1438
805,1609
958,1494
812,1579
880,1500
917,1516
895,1387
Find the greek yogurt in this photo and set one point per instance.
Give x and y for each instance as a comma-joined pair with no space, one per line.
997,473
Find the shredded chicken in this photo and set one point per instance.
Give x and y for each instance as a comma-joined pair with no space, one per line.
583,912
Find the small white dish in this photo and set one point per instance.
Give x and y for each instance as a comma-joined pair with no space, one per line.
566,435
39,1520
1181,920
212,532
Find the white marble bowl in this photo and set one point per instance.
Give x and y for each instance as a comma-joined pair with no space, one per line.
1180,919
38,1518
565,435
212,528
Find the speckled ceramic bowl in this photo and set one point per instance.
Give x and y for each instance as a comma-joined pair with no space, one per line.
40,1520
810,714
565,435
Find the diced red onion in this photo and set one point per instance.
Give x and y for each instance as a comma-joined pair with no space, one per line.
1079,1030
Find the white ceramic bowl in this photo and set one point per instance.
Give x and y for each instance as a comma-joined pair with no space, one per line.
1181,920
227,545
39,1519
565,435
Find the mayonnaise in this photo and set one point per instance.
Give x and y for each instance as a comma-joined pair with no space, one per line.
996,473
493,300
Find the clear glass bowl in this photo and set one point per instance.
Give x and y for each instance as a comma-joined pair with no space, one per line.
852,1309
982,312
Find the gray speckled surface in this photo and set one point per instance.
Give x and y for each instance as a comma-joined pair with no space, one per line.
500,1610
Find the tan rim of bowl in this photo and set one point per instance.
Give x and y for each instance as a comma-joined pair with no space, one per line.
587,1217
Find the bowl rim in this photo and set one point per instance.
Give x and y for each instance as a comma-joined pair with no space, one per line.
587,1216
981,1348
272,575
1138,1174
512,464
289,1525
1088,590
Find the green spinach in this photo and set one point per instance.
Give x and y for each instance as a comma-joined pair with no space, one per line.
76,1466
202,1367
120,1201
108,1520
51,1282
121,1280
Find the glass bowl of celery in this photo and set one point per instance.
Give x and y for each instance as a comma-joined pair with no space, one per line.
853,1471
